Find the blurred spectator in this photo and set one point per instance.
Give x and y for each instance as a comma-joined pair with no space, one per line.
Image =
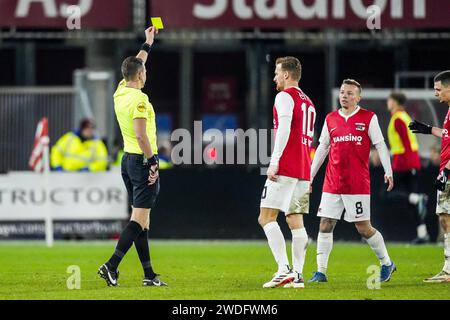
117,153
435,156
164,155
80,150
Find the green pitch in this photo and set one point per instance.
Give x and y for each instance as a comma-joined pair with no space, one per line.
211,270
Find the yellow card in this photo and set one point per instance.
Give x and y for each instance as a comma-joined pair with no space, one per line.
157,22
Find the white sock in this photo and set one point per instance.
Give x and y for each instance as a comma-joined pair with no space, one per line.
422,231
414,198
277,244
447,252
376,242
324,246
299,244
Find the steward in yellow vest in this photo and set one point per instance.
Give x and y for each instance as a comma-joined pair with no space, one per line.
403,142
79,150
406,164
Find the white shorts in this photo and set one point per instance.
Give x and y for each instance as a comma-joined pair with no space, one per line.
443,200
287,194
356,206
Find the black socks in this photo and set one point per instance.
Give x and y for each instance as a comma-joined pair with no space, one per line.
128,235
141,244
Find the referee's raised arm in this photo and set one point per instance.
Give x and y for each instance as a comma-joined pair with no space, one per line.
146,47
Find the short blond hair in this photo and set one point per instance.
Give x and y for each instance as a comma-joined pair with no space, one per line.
353,82
292,65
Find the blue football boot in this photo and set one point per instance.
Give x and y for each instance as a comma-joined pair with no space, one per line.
318,277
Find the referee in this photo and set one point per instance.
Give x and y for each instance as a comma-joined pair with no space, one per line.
139,167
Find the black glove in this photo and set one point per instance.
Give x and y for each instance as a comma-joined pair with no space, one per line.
420,127
442,179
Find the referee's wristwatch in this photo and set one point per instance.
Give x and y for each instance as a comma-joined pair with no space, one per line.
151,161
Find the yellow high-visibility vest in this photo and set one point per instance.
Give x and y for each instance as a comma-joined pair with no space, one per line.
395,140
72,154
165,165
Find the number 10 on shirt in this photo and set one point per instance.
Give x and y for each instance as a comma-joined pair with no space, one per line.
309,117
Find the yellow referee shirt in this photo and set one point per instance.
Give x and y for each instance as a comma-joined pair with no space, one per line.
130,104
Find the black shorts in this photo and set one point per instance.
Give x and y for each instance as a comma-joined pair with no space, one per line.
135,175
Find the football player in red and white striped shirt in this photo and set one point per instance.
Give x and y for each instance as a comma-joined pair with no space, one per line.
346,137
442,92
288,177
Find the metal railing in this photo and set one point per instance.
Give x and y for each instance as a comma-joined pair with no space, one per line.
20,111
426,76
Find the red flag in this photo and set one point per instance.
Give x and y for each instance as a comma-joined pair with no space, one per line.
41,142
